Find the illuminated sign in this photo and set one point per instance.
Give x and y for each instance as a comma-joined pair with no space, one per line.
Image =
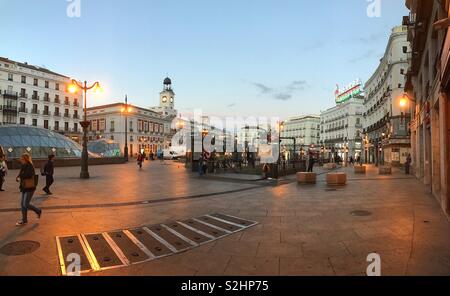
349,92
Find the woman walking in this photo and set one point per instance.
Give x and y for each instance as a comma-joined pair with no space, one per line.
28,184
3,171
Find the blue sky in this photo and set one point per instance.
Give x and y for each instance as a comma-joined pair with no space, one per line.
235,57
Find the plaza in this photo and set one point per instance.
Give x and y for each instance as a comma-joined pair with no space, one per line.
301,230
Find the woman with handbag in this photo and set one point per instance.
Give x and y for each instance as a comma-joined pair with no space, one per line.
28,183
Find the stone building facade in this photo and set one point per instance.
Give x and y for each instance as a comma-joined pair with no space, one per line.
428,91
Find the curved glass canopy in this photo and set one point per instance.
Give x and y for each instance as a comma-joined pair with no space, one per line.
38,142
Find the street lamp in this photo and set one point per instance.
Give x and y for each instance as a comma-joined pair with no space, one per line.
126,110
73,88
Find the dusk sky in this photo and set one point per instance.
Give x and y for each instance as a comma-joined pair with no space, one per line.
236,57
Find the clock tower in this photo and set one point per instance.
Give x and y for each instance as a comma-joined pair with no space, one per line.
167,96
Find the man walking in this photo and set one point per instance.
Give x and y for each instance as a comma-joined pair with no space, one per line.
408,164
48,172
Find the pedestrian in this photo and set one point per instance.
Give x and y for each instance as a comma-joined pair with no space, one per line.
152,157
140,160
3,171
311,162
266,171
48,172
28,183
352,161
162,156
408,164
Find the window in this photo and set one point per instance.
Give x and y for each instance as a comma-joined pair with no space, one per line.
46,97
75,102
102,124
10,77
112,125
35,108
66,112
66,126
34,122
46,84
22,121
46,124
56,111
22,107
57,86
75,127
23,79
35,82
57,99
56,125
35,95
23,93
75,114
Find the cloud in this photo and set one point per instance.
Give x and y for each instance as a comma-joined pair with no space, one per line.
313,46
283,94
370,54
231,105
263,88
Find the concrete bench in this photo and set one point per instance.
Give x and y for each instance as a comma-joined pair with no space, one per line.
360,169
329,166
385,170
337,179
306,178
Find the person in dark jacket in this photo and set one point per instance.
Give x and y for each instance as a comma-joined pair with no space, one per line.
48,172
27,173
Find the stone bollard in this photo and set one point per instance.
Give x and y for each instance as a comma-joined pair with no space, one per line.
337,179
360,169
306,178
385,170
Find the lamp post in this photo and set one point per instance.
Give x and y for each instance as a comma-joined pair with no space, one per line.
73,88
126,110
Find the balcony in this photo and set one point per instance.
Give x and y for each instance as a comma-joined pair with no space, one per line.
35,97
46,113
9,109
23,96
75,104
57,101
67,103
10,94
46,99
66,115
76,116
112,130
57,114
23,110
35,112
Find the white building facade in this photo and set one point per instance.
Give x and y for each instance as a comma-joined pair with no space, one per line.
36,96
147,130
304,129
341,126
386,132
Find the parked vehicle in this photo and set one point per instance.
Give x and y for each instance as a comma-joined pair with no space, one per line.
171,155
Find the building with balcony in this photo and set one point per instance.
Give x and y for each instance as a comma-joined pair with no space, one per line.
386,135
428,89
303,131
341,126
32,95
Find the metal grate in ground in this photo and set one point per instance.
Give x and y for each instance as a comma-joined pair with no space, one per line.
115,249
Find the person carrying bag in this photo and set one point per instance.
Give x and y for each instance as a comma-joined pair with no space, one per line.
28,182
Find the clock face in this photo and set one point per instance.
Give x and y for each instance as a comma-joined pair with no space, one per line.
164,99
171,100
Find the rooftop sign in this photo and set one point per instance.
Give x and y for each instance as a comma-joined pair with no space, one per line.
353,89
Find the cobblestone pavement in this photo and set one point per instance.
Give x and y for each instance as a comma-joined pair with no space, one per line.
302,230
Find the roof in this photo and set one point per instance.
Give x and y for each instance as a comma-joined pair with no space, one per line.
120,105
36,68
